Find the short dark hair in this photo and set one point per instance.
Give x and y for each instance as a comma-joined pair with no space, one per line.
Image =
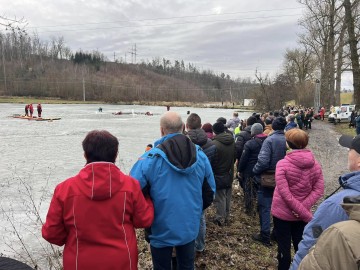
222,120
279,123
100,145
251,120
193,121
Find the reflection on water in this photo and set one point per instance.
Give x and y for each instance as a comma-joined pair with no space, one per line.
40,152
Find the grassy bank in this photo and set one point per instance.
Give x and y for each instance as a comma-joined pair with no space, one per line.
42,100
34,100
343,128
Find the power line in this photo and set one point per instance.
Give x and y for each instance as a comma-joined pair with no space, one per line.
168,18
168,24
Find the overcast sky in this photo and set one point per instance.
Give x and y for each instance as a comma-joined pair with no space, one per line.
234,37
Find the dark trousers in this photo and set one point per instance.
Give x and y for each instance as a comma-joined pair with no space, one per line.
250,192
285,232
185,256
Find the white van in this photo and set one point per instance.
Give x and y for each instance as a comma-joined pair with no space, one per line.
341,113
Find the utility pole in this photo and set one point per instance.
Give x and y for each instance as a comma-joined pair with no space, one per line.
114,56
133,54
317,95
84,88
3,60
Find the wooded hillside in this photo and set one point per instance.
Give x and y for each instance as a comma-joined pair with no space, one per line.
30,67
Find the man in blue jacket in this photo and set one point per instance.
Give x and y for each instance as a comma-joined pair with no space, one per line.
330,210
178,176
272,150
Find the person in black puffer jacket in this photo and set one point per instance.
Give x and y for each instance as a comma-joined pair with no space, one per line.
247,162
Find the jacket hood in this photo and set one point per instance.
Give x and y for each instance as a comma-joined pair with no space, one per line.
350,180
302,158
224,138
248,128
198,136
178,151
353,210
98,180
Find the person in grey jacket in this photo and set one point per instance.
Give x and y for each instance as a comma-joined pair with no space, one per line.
233,122
272,150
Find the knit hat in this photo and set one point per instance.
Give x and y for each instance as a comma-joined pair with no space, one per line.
207,127
279,123
256,129
222,120
251,120
218,128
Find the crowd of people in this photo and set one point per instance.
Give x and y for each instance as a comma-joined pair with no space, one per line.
192,166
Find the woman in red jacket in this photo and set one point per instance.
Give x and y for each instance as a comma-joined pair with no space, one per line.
95,212
299,184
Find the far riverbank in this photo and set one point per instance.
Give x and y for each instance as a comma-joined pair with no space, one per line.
43,100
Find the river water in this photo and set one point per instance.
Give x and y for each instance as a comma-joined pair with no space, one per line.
37,155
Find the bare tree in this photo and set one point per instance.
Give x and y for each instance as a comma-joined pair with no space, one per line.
353,41
322,23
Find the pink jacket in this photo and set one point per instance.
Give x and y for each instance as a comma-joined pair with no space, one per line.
299,184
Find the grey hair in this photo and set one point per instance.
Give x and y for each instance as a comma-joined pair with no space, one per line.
171,122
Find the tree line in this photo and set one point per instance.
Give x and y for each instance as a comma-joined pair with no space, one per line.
30,66
327,47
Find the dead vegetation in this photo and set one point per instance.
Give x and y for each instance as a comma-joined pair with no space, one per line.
227,247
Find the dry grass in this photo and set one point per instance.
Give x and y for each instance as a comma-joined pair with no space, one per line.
42,100
343,128
346,98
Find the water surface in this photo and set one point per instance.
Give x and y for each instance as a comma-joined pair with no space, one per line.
42,154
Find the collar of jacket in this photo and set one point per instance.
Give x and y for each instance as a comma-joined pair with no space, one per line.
350,180
277,132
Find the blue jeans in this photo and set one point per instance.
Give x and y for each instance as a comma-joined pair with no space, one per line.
265,196
185,256
200,239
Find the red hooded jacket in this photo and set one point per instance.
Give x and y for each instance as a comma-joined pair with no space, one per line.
94,214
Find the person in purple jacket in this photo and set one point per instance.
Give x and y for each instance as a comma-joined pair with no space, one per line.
299,185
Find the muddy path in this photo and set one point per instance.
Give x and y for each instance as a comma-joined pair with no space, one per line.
231,246
328,152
